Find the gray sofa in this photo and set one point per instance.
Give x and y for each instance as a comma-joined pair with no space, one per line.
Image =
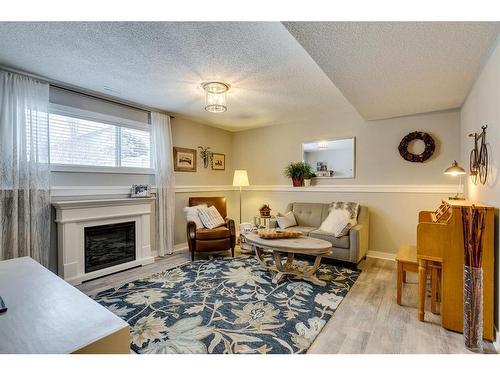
349,248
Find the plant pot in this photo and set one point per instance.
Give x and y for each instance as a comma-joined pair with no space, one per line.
307,182
297,181
473,308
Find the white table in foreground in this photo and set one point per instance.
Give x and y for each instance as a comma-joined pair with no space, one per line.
290,247
47,315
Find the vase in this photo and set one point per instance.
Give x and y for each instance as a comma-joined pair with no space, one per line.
297,181
473,308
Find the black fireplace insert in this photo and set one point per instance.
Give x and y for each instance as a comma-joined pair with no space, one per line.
109,245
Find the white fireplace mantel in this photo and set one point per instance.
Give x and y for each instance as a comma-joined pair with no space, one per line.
72,217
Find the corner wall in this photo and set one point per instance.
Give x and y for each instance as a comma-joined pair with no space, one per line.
204,181
482,107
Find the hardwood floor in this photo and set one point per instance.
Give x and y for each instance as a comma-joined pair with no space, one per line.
368,321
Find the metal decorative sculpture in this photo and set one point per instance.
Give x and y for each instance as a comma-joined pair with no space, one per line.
478,163
206,156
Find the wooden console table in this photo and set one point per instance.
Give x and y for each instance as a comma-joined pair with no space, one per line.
47,315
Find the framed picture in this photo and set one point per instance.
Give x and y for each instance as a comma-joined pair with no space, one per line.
218,162
140,191
184,159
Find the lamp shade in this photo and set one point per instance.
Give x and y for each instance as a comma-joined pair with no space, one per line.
454,169
240,178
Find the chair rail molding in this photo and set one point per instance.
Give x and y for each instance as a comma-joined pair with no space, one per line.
71,191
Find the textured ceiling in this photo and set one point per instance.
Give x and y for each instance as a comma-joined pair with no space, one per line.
383,69
389,69
273,79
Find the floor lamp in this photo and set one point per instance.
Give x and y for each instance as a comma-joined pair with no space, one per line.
240,179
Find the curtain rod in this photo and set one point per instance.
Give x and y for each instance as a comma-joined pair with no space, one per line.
82,91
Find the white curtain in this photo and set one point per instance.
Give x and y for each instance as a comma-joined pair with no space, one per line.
24,168
165,183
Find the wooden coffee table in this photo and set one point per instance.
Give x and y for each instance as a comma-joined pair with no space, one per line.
290,247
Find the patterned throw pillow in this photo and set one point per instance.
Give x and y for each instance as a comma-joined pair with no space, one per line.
210,217
286,221
353,209
192,215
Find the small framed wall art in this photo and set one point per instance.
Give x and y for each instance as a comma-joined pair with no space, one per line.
184,159
140,191
218,162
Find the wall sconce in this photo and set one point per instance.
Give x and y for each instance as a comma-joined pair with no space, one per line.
206,156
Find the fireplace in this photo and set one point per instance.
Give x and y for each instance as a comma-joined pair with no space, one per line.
109,245
115,230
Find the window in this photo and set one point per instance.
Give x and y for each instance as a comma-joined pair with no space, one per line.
97,141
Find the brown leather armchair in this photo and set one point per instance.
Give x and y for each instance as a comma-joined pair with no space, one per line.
218,239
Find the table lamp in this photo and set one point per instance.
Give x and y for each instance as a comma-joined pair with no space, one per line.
456,170
240,179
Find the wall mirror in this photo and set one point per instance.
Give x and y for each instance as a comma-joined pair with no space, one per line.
334,158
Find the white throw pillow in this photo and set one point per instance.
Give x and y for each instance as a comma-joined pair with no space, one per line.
287,220
210,217
192,215
336,222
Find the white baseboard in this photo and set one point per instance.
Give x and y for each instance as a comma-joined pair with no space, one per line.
496,343
381,255
180,247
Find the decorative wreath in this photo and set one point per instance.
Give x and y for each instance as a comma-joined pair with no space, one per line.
430,146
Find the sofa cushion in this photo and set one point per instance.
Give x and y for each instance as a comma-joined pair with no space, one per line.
303,229
212,234
286,220
341,242
210,217
221,244
192,215
309,214
352,208
336,222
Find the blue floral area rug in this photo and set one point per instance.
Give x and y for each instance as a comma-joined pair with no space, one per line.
227,305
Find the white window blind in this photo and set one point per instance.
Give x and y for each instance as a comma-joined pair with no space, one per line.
79,140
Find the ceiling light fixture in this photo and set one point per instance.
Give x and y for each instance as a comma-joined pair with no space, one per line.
215,96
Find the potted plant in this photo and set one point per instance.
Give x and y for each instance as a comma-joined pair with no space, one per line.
297,172
307,179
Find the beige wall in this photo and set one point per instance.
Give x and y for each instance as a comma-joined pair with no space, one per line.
393,216
481,107
265,152
181,201
189,134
